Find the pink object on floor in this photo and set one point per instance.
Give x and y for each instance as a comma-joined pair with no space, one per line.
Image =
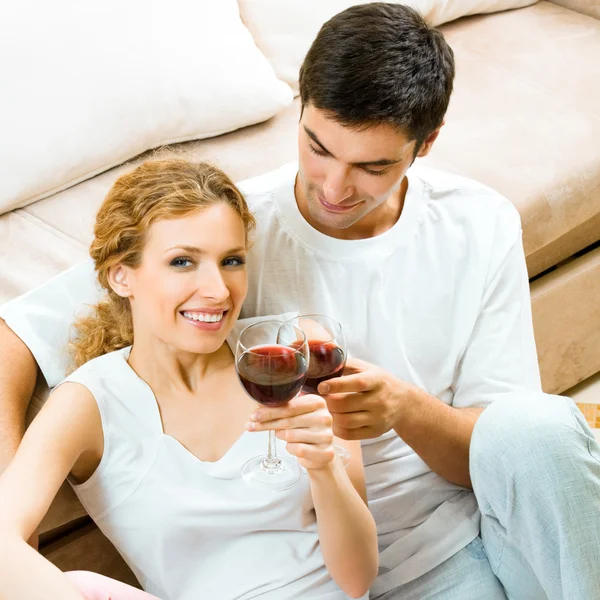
98,587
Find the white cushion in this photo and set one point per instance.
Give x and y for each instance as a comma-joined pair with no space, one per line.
285,29
87,85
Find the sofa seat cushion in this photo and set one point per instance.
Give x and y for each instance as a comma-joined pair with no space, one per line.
31,252
585,7
525,120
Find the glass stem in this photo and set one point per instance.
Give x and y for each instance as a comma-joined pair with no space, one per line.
272,461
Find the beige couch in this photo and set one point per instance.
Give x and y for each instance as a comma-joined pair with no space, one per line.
525,119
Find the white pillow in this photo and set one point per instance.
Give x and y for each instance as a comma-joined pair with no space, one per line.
88,85
285,29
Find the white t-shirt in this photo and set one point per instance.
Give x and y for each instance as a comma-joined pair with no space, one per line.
191,529
440,300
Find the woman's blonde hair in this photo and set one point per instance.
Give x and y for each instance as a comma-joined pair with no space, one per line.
156,190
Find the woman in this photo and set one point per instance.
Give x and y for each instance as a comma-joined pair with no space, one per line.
153,427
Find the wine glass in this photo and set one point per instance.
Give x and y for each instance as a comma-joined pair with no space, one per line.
327,347
271,360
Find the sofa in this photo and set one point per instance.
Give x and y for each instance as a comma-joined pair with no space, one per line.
524,119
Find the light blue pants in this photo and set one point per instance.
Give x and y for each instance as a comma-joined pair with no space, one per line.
535,468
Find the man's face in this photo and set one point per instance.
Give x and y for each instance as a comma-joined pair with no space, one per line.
346,176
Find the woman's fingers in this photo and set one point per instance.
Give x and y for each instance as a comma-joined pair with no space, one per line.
320,420
306,436
316,419
305,424
311,456
298,406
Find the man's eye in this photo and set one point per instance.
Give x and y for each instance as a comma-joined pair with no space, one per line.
234,261
315,151
376,173
181,262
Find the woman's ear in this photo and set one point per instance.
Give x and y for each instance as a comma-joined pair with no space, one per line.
118,279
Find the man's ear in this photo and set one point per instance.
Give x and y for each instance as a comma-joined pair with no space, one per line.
428,143
118,279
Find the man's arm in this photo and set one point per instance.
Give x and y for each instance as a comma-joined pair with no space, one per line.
34,332
42,317
429,424
371,401
500,359
18,372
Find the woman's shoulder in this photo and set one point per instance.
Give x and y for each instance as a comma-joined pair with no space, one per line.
94,377
105,366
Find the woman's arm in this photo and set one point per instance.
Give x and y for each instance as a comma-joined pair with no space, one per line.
347,531
66,434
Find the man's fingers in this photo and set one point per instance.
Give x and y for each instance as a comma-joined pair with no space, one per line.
353,420
362,433
345,403
360,382
356,365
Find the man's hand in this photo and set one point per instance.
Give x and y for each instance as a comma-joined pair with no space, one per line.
366,402
369,401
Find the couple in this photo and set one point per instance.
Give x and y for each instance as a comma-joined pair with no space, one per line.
426,271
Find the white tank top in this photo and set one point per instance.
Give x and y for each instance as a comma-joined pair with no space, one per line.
189,529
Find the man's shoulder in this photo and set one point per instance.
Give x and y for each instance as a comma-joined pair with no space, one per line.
467,199
259,190
443,184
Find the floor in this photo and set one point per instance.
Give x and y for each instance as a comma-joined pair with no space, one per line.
587,396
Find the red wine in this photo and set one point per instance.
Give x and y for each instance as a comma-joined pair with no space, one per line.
272,375
327,361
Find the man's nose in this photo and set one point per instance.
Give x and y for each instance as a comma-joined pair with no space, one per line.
337,186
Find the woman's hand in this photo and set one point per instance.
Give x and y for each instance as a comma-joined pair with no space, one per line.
305,424
347,531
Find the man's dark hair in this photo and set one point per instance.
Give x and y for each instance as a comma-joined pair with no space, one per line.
380,63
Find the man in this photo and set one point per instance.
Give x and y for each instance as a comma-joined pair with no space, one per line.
426,272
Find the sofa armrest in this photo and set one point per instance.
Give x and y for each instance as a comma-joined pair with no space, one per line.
585,7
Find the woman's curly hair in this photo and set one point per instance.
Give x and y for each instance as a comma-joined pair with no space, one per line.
156,190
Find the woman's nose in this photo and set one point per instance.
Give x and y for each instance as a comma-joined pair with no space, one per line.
212,285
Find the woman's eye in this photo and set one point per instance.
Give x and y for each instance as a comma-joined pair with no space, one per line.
181,262
234,261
